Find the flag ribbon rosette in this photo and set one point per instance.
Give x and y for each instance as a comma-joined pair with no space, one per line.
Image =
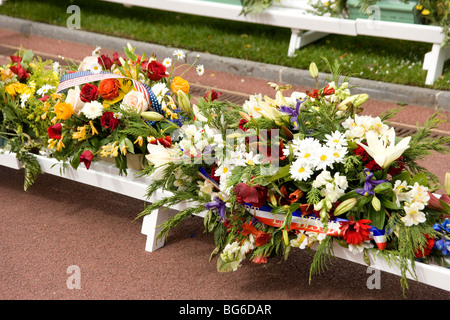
81,77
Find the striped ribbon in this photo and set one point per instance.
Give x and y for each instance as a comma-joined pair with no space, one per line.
81,77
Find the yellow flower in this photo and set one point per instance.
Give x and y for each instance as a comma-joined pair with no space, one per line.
60,144
94,131
139,141
6,74
178,84
15,88
52,143
63,110
425,12
80,135
419,7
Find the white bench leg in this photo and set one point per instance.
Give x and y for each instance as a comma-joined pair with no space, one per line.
434,61
300,39
150,228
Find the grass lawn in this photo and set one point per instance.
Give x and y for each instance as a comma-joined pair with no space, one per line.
372,58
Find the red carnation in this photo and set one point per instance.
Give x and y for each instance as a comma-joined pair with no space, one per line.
314,94
86,157
89,92
255,196
355,232
54,131
109,121
155,71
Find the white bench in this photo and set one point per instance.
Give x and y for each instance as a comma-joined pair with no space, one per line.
106,176
307,28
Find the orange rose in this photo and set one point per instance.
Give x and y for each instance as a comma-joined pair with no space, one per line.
63,110
179,83
109,89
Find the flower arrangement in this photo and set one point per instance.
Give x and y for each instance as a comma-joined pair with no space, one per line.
304,171
26,98
308,169
105,107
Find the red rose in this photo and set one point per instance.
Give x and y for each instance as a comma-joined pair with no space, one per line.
86,157
155,70
54,131
89,92
255,196
109,121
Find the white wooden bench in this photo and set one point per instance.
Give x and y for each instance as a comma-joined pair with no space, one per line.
106,176
307,28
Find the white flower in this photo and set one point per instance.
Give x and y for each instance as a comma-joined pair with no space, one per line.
336,140
300,170
44,89
96,52
325,158
134,100
160,89
56,67
92,110
384,150
413,214
200,69
322,179
420,194
179,54
400,191
73,97
23,99
359,248
95,68
205,186
167,62
87,62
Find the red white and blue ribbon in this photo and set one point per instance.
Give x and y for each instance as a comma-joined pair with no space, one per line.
81,77
310,223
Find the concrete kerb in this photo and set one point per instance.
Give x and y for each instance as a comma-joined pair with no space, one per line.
377,90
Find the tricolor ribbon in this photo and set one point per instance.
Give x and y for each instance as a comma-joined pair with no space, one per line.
310,223
70,80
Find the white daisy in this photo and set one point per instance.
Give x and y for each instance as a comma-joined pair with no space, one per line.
324,158
167,62
44,89
95,68
96,52
179,54
56,67
336,139
92,110
200,69
300,170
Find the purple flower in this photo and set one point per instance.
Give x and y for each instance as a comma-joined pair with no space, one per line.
217,204
293,113
369,184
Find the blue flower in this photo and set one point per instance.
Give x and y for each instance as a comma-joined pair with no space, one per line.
219,205
293,113
369,184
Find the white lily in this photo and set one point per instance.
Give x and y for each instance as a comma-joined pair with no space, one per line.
159,155
384,150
